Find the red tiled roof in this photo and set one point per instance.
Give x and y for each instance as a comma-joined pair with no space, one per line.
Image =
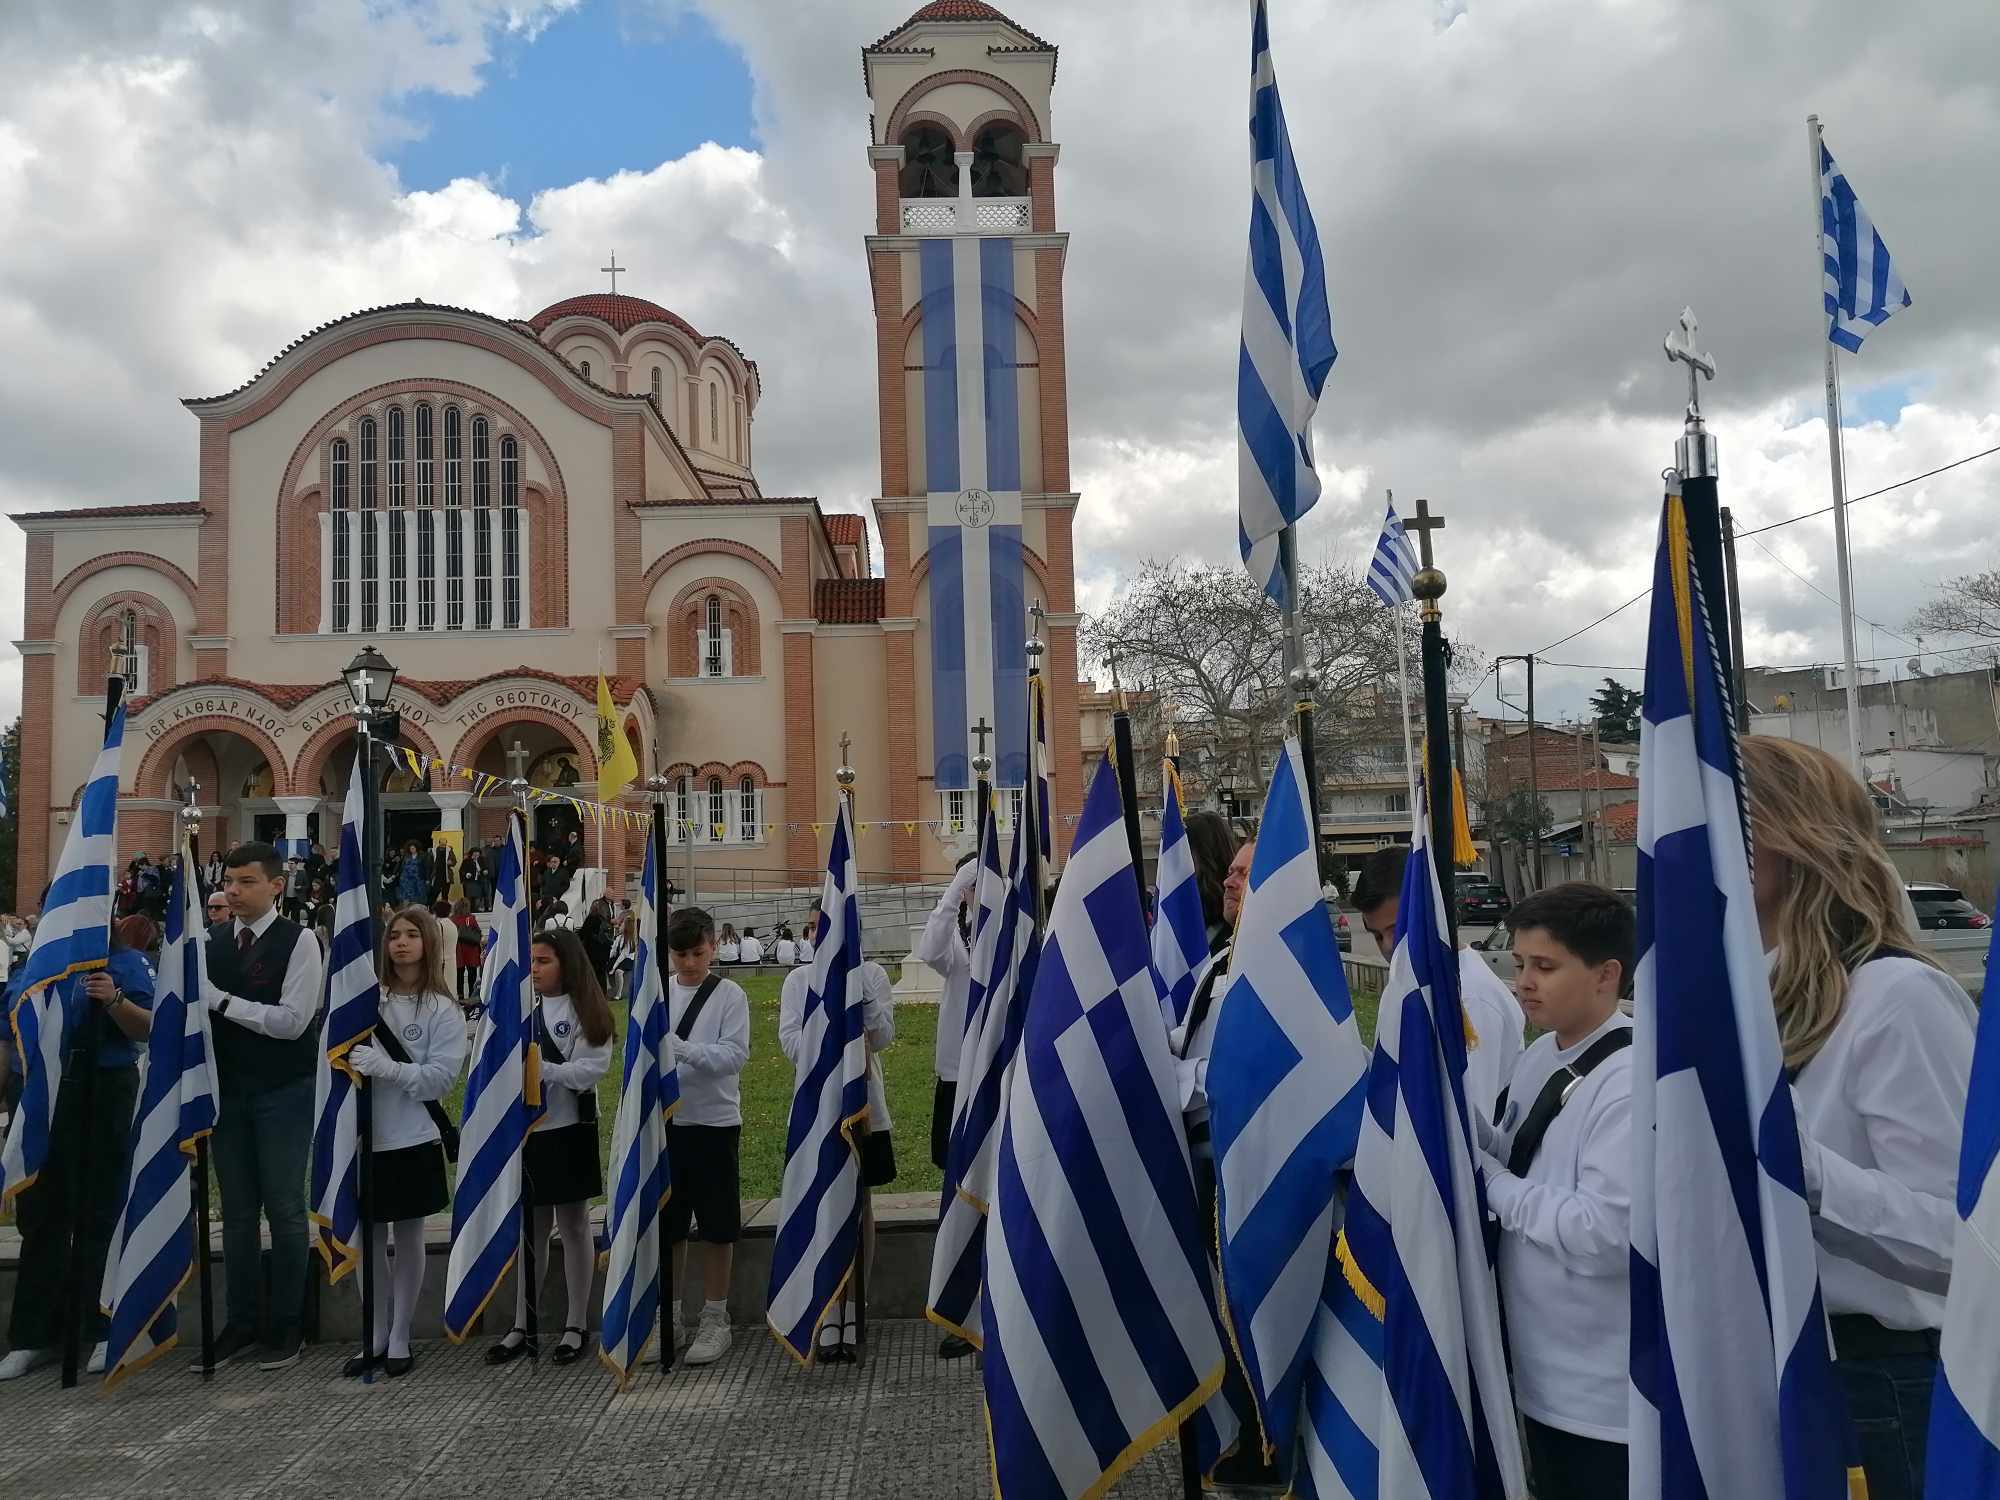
439,691
849,601
94,512
846,528
955,10
1621,820
621,312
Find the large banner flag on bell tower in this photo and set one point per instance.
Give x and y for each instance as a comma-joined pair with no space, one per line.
972,464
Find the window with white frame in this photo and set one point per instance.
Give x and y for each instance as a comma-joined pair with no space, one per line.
1017,799
658,381
396,517
718,810
713,647
714,413
585,368
680,831
747,819
956,811
133,655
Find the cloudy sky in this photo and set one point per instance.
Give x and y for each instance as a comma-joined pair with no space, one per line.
1516,200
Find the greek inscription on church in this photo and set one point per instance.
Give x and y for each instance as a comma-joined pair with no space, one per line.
228,706
413,712
553,701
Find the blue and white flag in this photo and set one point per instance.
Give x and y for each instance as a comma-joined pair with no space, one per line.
1393,568
1099,1312
1733,1389
153,1255
502,1100
640,1176
1863,286
1287,346
819,1200
353,1009
1415,1227
73,936
1285,1084
1964,1454
973,347
1180,926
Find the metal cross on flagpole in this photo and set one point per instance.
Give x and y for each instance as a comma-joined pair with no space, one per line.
1697,449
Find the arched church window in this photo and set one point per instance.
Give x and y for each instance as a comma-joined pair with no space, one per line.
365,440
656,385
131,654
929,168
510,532
399,535
454,520
584,366
718,810
343,538
426,519
682,810
746,795
998,167
482,529
714,413
714,648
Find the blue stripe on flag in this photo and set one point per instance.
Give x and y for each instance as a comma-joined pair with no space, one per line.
949,719
1002,365
934,264
1863,287
1010,654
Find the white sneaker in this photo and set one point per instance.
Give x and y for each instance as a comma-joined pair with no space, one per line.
711,1342
681,1333
97,1358
23,1361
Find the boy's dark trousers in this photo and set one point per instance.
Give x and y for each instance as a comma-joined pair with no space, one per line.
1564,1466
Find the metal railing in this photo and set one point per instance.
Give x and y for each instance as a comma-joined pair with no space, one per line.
965,216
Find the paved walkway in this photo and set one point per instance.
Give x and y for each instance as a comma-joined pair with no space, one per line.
755,1425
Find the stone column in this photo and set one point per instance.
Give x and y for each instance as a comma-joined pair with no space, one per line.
451,810
296,810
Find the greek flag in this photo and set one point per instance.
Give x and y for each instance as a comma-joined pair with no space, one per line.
1964,1456
1099,1313
502,1099
1393,568
1863,286
353,1007
1733,1390
74,935
819,1206
1286,1076
640,1179
153,1254
1287,346
1415,1244
1180,927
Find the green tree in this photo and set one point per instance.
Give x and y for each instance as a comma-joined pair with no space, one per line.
1521,817
10,820
1616,708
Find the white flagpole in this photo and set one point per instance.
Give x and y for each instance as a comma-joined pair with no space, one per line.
1403,676
1842,563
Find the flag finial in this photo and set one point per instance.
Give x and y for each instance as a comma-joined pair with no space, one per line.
1697,448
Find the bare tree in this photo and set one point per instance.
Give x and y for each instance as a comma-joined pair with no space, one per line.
1967,605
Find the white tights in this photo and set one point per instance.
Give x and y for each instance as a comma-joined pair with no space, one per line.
396,1288
579,1265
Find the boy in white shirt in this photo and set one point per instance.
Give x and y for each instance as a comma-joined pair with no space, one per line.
710,1019
1559,1183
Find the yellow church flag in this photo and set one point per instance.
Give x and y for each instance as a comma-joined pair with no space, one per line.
617,766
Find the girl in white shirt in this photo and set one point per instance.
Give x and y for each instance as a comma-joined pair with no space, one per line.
728,947
1878,1042
573,1030
406,1176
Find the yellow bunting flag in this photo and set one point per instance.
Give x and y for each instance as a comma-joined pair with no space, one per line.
617,766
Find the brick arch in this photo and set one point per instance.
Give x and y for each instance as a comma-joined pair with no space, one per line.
687,614
313,754
157,632
155,772
921,569
296,554
949,126
994,117
480,735
1029,120
76,575
717,544
1022,311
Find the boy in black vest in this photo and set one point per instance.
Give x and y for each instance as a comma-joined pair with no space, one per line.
263,985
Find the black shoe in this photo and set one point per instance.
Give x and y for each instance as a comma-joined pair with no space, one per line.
510,1348
567,1353
954,1347
360,1364
229,1344
393,1366
283,1354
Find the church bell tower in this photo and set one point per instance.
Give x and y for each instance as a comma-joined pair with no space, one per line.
975,509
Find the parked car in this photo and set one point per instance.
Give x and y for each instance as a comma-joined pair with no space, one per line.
1496,950
1481,899
1944,907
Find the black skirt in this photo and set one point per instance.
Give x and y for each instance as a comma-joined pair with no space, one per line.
408,1183
562,1164
878,1159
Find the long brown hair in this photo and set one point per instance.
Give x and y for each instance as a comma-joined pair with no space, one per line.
593,1010
1842,900
436,962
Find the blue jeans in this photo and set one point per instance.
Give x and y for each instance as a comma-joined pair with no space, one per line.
1889,1405
262,1144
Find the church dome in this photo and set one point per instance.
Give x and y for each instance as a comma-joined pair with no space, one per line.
623,313
957,10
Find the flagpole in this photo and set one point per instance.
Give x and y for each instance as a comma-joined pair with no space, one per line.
657,937
844,778
1403,677
531,1292
1031,782
364,1098
1843,562
1128,788
1299,675
190,816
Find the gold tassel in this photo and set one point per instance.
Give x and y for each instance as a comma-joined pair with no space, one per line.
1362,1288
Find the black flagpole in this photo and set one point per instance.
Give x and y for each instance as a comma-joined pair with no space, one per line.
80,1068
531,1292
364,1096
657,937
191,820
844,777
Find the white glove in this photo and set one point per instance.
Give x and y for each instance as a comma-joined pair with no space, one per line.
369,1062
1491,1164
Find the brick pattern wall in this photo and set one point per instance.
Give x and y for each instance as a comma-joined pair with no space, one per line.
795,592
1041,194
888,199
688,615
889,396
628,487
1054,372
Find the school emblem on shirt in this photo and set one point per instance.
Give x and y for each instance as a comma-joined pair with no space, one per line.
562,1028
412,1032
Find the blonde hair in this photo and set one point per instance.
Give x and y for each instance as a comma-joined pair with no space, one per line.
1842,900
436,963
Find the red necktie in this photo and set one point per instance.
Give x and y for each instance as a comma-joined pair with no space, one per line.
244,938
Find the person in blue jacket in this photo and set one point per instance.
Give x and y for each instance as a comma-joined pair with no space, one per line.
117,1002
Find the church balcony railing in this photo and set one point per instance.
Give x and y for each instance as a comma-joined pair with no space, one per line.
965,215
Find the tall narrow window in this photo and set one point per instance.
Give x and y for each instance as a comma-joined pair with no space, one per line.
482,529
399,536
454,520
131,655
585,368
746,792
337,506
510,532
371,581
718,809
682,811
954,811
1016,800
426,519
711,642
714,413
656,385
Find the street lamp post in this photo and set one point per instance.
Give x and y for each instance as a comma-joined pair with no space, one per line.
369,678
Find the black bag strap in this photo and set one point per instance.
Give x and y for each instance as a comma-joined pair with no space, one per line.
385,1039
586,1099
1555,1093
707,987
1204,1000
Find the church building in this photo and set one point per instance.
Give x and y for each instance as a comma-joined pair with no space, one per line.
503,506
